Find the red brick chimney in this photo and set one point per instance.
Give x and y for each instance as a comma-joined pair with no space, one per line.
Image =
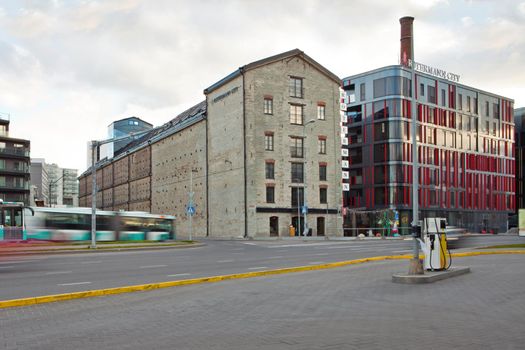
407,33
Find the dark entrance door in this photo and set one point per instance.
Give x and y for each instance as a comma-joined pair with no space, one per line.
274,226
296,222
320,226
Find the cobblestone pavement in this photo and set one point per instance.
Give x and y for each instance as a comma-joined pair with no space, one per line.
355,307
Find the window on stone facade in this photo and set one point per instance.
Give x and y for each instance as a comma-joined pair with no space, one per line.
296,114
468,103
323,197
270,194
322,146
321,112
268,105
322,172
296,147
296,87
362,92
486,108
460,101
443,97
270,170
297,172
268,141
297,196
422,89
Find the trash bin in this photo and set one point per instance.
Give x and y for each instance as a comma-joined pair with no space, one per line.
292,231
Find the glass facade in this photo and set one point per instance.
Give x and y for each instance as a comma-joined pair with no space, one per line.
466,174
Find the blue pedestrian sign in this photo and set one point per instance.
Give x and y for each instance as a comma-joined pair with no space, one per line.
190,210
396,215
304,209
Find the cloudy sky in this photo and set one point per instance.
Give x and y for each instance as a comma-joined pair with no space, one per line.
69,68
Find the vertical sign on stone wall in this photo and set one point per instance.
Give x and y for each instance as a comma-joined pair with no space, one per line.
344,141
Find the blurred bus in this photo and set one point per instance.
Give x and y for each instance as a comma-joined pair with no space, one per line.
74,224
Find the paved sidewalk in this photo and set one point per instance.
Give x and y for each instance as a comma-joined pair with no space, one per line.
356,307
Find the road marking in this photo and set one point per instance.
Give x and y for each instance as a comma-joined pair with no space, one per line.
299,245
57,272
249,243
211,279
73,284
16,262
91,262
276,257
6,267
152,266
360,246
315,262
225,261
323,254
257,268
401,251
238,253
179,274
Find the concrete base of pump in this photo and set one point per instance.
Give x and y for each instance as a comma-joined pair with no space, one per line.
430,276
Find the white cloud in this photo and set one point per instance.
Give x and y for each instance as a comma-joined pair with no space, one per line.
467,21
69,68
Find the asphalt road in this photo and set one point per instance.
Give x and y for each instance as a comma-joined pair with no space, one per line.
352,307
36,275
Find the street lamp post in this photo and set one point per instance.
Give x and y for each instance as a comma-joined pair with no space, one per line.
305,201
190,203
51,184
94,145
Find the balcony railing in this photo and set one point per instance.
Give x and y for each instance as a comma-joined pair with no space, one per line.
15,152
13,170
8,186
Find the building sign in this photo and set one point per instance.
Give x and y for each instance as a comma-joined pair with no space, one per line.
440,73
226,94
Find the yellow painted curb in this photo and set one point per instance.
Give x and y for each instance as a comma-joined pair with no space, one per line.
151,286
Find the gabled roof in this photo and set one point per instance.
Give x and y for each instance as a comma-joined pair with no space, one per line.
269,60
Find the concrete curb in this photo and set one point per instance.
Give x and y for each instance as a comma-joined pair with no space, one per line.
151,286
98,250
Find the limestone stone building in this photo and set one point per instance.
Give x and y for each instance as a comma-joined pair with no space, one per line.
267,137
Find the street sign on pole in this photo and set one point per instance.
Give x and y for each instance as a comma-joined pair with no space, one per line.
190,210
304,209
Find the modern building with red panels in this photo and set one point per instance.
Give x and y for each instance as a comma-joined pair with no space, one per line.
465,149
